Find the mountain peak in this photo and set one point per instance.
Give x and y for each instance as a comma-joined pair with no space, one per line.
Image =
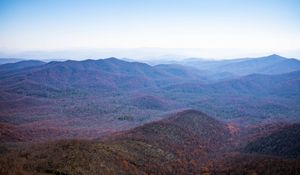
112,59
275,56
179,128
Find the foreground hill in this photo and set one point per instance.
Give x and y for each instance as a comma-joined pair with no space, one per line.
186,142
173,145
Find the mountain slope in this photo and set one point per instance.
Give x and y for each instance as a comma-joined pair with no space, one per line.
19,65
186,129
283,84
256,97
9,60
255,84
95,75
170,146
284,143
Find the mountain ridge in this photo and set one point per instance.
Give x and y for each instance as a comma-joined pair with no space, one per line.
272,64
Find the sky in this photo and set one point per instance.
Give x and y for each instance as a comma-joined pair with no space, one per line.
201,28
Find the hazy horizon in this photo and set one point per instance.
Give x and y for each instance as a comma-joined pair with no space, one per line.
143,29
146,54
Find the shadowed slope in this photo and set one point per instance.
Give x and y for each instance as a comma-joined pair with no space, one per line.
284,143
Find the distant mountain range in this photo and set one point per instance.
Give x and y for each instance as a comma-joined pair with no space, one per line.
9,60
19,65
272,64
84,88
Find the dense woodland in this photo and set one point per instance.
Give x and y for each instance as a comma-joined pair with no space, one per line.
111,116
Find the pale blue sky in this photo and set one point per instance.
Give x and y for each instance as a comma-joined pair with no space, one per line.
47,25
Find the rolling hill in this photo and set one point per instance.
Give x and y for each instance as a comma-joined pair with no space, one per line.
172,145
184,142
182,128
